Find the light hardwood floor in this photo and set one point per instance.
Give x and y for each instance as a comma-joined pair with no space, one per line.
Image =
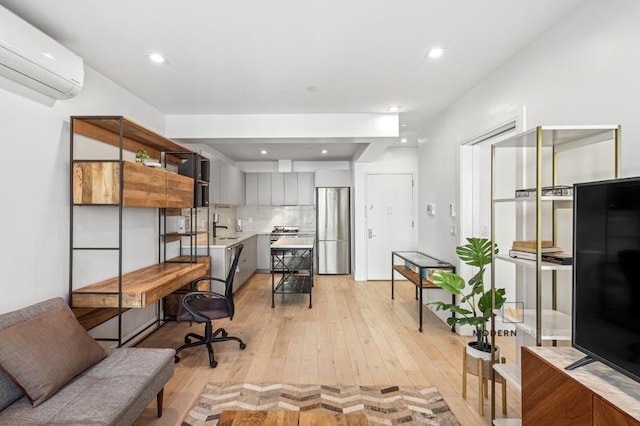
354,334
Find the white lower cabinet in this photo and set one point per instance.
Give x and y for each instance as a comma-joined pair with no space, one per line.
264,253
221,259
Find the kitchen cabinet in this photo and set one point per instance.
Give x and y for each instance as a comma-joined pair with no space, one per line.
279,189
264,189
221,260
306,189
235,185
251,189
264,252
227,183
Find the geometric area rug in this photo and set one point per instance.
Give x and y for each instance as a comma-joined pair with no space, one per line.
383,405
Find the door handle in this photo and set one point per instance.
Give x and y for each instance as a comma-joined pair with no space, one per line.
370,233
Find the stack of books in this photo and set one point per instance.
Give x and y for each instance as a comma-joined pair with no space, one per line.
526,249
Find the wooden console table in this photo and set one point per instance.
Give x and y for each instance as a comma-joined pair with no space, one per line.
290,418
415,267
590,395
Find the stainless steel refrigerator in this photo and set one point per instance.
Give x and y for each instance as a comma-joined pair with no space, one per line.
333,233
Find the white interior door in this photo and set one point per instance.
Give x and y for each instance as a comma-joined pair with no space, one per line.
389,221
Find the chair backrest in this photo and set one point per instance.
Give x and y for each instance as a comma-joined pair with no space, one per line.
228,286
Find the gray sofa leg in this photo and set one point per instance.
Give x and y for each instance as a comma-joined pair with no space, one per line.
159,399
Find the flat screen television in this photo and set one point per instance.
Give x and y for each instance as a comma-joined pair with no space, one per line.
606,274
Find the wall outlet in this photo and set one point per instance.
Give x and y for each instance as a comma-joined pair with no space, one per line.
453,230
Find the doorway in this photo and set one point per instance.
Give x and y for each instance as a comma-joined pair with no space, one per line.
389,220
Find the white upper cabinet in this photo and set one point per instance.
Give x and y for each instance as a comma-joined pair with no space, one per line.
251,189
279,189
227,183
264,188
306,189
290,189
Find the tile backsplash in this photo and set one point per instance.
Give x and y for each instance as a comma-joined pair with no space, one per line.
264,218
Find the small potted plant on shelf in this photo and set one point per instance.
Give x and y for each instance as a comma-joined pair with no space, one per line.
474,306
141,156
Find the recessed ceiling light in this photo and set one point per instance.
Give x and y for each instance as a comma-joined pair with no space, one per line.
435,53
403,124
394,108
324,151
263,152
156,58
403,140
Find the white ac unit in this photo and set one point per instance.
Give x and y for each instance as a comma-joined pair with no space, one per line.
35,60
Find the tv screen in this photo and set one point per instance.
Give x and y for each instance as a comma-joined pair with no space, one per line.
606,273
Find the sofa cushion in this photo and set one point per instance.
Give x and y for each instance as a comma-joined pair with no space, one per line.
9,392
43,353
112,392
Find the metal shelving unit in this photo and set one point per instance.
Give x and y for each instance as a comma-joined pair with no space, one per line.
541,157
99,180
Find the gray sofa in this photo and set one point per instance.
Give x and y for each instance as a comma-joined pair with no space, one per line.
114,391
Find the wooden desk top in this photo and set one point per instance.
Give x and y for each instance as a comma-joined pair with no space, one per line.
290,418
142,287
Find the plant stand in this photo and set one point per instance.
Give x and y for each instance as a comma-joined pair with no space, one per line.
482,367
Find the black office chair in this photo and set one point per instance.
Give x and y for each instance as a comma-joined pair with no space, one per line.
205,306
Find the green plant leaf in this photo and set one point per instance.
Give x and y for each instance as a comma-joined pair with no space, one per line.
453,283
484,303
476,252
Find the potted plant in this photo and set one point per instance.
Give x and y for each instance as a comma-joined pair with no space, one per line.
142,155
474,306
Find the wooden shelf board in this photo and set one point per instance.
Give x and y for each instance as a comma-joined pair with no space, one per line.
413,277
92,317
140,288
131,130
511,373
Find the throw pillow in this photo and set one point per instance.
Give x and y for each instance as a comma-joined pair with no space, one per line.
9,393
44,353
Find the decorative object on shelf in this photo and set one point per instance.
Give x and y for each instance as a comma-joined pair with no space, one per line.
142,155
547,191
474,307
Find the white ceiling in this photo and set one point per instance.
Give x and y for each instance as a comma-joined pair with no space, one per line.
295,56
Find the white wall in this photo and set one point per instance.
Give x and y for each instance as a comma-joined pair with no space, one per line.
393,160
584,70
35,185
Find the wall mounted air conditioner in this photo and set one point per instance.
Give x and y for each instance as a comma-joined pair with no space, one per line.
30,57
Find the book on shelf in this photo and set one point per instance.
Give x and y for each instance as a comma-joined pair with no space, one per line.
533,250
558,258
532,244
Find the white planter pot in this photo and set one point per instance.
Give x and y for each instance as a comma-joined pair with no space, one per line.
472,357
486,356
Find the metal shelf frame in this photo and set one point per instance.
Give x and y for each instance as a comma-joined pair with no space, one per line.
541,139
